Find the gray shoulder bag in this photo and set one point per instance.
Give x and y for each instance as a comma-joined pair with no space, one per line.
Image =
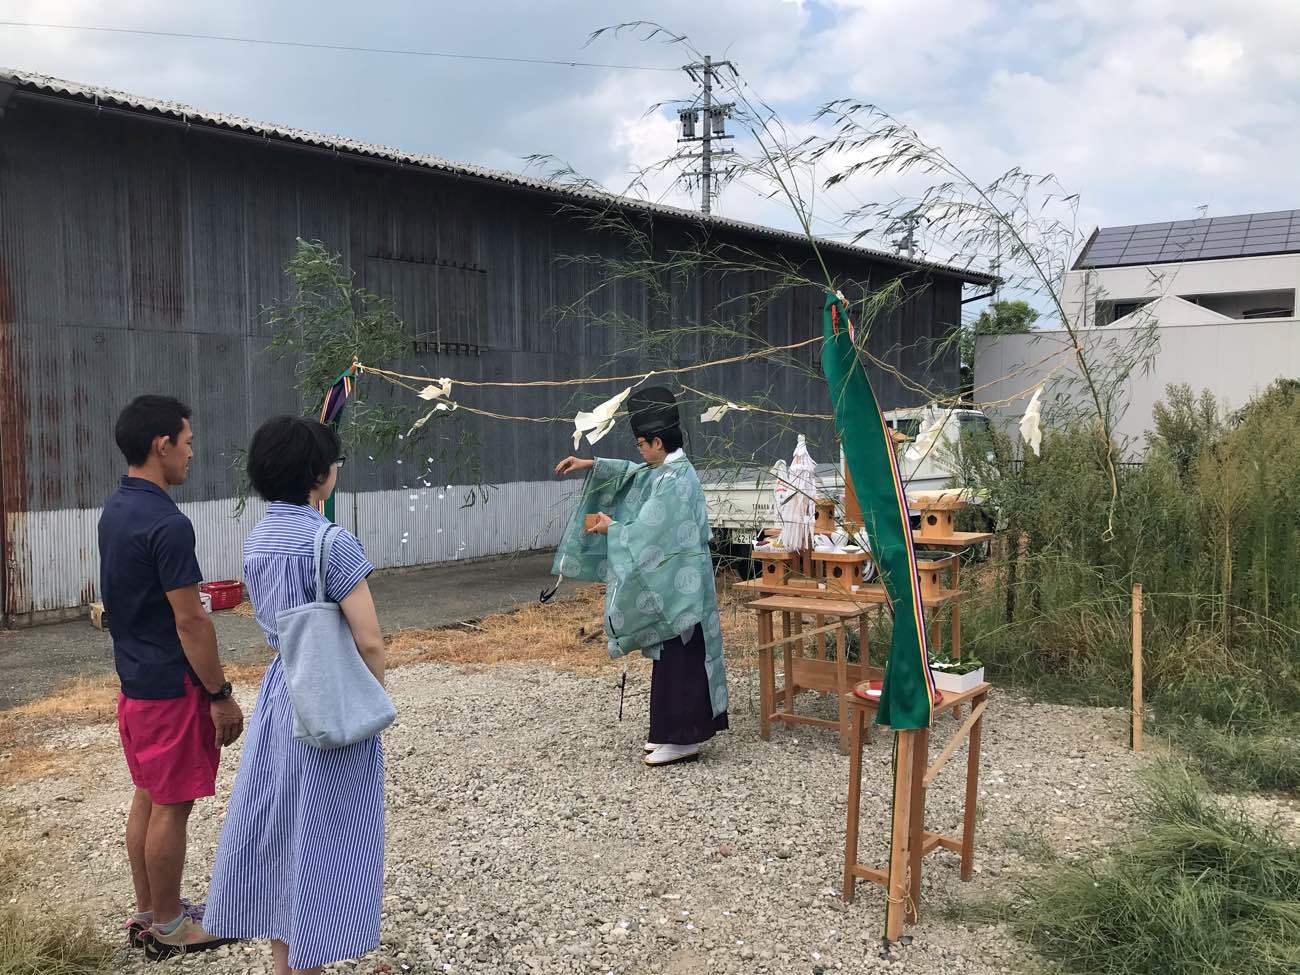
336,699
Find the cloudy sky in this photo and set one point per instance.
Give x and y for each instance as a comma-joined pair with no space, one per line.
1147,109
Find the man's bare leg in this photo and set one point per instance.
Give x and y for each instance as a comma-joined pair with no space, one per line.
164,855
280,952
137,828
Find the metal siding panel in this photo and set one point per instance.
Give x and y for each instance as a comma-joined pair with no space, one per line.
89,188
31,218
537,281
64,568
325,194
270,223
218,393
500,259
446,527
218,282
157,179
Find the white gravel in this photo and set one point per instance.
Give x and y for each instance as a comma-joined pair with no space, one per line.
524,835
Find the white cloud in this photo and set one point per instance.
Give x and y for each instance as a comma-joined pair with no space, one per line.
1147,109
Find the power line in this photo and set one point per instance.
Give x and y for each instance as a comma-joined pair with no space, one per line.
333,47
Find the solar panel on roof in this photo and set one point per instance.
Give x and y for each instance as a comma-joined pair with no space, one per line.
1275,232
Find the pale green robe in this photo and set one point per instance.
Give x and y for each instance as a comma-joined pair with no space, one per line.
655,561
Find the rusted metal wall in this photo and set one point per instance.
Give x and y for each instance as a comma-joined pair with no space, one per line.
139,256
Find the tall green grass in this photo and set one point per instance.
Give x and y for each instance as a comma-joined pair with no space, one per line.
1197,890
1209,523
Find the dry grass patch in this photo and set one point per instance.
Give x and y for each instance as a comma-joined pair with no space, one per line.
37,938
23,763
83,700
567,635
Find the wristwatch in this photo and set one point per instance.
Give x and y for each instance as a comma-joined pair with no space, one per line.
221,695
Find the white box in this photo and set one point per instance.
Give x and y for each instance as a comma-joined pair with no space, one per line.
957,683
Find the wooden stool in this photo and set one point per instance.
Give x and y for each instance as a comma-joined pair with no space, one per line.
913,775
809,673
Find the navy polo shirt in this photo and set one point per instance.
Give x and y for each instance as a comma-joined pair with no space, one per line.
146,549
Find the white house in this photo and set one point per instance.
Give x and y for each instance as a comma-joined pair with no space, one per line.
1220,291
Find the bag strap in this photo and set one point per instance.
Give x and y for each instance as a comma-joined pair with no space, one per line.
321,548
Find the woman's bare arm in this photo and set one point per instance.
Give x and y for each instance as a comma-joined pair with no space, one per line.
359,609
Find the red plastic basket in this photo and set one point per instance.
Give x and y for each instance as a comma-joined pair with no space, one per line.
225,594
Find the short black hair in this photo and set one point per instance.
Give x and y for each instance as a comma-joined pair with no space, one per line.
672,438
288,457
145,419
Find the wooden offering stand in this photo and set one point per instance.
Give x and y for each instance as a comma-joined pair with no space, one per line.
774,567
938,508
809,673
913,773
930,569
825,521
841,572
788,585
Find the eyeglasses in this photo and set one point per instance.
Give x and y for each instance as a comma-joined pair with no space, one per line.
340,462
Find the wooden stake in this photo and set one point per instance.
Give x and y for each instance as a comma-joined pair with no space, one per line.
1137,667
897,891
856,723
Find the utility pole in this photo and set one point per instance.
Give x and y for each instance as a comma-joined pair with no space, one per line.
908,241
997,271
712,126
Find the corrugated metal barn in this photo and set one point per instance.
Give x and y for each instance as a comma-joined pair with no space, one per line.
140,242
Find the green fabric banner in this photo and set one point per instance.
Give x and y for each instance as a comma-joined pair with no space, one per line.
908,694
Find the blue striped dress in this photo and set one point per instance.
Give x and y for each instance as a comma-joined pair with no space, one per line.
301,856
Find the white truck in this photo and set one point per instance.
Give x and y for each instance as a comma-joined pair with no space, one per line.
741,501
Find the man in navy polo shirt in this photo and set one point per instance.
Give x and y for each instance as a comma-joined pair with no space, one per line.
175,711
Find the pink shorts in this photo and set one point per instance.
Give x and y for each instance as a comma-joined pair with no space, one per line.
170,745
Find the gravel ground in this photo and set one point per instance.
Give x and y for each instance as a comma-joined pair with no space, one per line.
524,835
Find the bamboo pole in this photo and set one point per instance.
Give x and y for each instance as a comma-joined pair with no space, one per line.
1137,667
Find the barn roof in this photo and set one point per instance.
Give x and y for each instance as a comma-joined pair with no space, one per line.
38,84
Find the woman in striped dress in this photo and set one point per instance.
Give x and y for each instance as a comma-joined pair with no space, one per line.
301,857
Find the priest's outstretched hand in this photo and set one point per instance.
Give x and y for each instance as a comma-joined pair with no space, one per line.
601,524
572,465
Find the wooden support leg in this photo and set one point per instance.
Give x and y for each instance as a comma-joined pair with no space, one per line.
788,653
916,823
842,680
821,638
954,628
904,744
766,676
857,722
972,794
864,655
